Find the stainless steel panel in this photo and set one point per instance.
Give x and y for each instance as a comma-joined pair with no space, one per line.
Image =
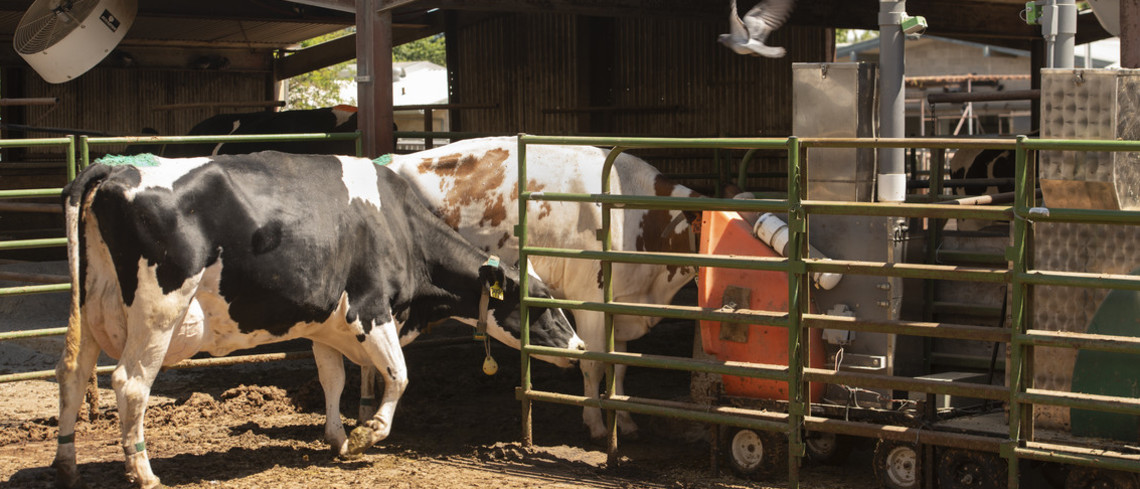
1090,104
836,100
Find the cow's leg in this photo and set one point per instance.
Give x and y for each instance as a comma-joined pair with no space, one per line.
591,328
625,423
330,369
150,326
368,380
72,372
382,344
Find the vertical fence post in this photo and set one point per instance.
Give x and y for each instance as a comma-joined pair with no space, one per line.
524,313
797,229
608,297
1018,412
71,168
84,152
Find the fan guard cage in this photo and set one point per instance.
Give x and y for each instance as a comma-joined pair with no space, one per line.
47,22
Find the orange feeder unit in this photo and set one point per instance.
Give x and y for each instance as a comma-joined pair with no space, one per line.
726,233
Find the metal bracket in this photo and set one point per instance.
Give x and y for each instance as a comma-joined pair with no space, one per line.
735,298
1033,13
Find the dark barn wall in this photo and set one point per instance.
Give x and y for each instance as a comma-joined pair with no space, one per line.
115,101
576,75
121,102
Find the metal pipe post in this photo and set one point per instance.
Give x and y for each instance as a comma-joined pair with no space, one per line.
1059,27
524,312
892,105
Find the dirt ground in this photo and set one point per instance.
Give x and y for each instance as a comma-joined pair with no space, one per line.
262,427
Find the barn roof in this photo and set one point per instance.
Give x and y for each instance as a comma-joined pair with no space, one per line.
280,23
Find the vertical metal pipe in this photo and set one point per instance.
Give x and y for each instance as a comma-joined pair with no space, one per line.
71,168
1059,27
84,152
607,297
797,226
524,312
1020,311
892,105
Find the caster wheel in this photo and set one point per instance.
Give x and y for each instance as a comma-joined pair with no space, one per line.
828,448
755,455
1090,478
964,469
898,465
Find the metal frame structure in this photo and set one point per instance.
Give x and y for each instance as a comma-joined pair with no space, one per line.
1021,395
1022,277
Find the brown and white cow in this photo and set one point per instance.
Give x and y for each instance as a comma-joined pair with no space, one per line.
472,185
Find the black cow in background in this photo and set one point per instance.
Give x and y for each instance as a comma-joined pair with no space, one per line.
341,118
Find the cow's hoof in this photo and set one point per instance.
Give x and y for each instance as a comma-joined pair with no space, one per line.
359,441
68,477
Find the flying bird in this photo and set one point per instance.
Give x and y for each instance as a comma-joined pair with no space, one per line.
747,35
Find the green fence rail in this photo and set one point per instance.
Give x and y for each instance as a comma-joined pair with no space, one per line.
68,145
1021,277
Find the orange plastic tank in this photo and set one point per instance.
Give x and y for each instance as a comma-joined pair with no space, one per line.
726,233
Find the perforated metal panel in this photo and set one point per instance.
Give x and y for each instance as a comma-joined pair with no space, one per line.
1082,104
1090,104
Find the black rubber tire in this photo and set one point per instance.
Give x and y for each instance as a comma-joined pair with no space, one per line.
756,455
966,469
898,465
1091,478
828,448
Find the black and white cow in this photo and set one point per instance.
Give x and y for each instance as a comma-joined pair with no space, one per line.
170,257
981,164
341,118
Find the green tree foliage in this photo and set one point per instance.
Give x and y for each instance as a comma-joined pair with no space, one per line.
323,87
847,36
431,48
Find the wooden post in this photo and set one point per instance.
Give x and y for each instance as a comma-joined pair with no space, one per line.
1130,33
374,78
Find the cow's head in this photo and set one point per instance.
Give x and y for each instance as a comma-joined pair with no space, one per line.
548,326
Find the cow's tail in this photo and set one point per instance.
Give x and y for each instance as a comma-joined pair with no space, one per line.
73,196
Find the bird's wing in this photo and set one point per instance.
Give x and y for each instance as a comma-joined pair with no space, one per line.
767,16
735,26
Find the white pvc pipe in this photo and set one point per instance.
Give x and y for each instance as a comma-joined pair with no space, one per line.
773,231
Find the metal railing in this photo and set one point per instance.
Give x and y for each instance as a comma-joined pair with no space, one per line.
75,164
1019,394
68,144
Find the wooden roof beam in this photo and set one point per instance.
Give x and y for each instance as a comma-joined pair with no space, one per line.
342,49
340,5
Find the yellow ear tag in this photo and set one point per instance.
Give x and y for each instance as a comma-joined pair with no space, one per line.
497,291
490,366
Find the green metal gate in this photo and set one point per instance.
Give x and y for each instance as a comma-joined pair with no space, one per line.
1021,396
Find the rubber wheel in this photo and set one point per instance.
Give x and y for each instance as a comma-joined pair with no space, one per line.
1090,478
964,469
898,465
755,455
828,448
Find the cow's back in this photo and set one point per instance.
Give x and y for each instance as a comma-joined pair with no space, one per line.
472,186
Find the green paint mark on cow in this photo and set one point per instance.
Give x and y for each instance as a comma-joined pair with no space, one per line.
145,159
383,160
